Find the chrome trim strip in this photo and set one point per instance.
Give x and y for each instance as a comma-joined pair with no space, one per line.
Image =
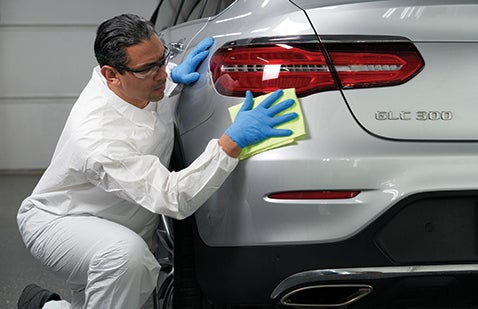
362,291
313,276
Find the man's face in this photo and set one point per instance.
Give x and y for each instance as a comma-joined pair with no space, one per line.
139,91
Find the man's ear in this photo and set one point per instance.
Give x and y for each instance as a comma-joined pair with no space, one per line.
111,75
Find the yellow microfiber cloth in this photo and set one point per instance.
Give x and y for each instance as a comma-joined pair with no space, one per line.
297,125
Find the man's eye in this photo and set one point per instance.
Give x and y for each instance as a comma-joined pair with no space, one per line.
147,68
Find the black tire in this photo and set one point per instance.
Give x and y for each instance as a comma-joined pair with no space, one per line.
186,290
178,288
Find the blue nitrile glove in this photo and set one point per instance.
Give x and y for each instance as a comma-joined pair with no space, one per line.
252,126
185,73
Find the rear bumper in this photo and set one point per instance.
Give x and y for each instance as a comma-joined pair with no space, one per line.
427,241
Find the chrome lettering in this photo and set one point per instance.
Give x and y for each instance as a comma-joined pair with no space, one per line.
418,115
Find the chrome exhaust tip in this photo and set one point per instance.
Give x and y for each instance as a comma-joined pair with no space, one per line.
326,296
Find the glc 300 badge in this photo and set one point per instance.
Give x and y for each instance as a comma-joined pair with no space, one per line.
418,115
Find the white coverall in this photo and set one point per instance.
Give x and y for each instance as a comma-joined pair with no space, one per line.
93,214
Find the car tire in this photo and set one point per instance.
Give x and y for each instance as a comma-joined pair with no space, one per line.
187,293
177,285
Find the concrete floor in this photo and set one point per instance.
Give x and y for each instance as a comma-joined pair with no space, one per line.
17,267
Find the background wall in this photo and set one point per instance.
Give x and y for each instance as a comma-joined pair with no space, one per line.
46,58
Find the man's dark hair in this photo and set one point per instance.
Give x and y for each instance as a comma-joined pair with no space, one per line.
117,33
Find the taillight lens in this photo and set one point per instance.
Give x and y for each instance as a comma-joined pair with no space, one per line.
362,65
265,68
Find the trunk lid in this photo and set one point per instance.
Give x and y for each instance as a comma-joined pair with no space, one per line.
441,101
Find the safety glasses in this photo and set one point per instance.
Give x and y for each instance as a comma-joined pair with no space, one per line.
152,69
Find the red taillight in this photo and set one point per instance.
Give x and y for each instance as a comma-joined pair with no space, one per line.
377,65
265,68
313,195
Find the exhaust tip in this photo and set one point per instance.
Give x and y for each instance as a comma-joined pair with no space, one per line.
326,296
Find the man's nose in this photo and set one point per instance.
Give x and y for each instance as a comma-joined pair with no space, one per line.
162,74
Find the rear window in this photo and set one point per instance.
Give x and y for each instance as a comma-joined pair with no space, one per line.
173,12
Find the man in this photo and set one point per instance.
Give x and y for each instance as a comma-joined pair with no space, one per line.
92,216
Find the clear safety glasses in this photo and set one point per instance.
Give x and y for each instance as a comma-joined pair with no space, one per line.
152,69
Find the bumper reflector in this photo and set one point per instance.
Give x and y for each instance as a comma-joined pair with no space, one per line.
313,195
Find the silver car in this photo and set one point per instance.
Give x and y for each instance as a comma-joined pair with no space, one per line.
377,207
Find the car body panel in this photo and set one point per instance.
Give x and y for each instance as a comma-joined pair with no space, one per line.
183,37
420,21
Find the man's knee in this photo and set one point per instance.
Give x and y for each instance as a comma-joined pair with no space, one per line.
123,272
130,257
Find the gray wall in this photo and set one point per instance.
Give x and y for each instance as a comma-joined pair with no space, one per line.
46,58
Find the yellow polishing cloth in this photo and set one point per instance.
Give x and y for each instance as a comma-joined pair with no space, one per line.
297,125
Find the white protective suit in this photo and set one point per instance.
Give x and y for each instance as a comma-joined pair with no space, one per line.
105,186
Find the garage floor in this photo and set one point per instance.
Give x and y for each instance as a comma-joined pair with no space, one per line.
17,267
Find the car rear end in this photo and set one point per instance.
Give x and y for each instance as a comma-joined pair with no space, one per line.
377,206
